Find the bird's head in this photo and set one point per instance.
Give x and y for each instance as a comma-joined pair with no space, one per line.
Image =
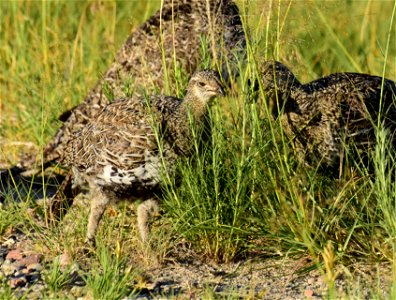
204,86
275,76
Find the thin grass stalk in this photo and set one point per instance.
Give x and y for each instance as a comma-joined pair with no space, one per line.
385,60
44,39
164,64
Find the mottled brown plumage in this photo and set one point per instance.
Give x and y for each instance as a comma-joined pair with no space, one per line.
169,39
118,153
331,115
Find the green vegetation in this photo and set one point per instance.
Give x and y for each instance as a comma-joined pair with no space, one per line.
243,191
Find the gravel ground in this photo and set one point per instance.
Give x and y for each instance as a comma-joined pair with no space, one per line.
186,276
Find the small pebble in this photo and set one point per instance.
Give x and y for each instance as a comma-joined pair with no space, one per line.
34,267
30,260
35,294
14,255
8,268
18,274
78,291
17,282
8,243
32,278
3,253
309,293
64,260
76,279
311,280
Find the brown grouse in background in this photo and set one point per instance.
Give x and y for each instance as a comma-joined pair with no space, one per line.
120,153
168,40
331,115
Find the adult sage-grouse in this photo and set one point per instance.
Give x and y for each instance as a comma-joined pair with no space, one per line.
119,153
328,116
168,40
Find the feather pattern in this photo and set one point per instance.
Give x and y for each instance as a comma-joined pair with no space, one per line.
325,116
120,153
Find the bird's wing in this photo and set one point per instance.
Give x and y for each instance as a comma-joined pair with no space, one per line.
353,102
120,136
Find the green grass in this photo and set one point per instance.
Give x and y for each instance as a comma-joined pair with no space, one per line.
243,191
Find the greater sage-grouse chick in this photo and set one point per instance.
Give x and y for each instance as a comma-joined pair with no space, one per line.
168,40
328,116
118,152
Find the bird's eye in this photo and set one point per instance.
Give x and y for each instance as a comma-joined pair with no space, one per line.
201,83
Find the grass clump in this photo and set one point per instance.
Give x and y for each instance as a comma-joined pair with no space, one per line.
114,279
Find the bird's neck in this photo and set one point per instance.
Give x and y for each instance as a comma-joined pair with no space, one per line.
191,106
186,119
287,83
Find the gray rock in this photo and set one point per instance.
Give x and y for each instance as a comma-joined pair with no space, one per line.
8,243
34,267
8,268
17,282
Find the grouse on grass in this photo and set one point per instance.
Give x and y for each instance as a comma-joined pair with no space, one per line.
331,115
120,153
168,40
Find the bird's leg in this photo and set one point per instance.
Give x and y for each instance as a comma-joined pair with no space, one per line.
99,202
145,212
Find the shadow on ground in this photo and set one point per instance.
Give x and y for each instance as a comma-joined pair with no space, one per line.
17,186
